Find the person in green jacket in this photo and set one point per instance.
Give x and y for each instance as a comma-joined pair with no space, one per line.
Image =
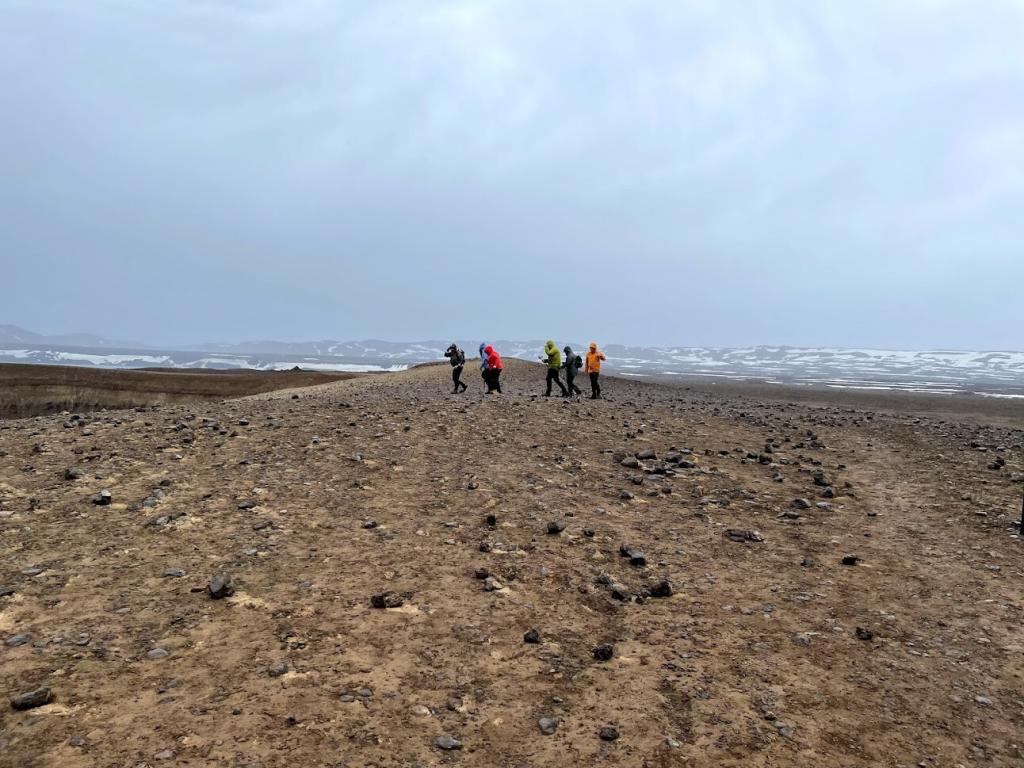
554,360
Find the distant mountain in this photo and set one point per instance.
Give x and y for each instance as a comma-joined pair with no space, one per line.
942,372
13,334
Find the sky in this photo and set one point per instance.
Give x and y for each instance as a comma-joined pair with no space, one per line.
646,172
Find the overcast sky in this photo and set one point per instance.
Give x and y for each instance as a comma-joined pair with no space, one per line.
702,172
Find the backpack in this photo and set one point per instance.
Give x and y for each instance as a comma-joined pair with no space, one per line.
578,362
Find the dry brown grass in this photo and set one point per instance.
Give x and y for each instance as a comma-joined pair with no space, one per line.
33,390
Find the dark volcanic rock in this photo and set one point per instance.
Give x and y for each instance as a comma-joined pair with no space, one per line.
662,589
532,636
737,535
609,733
555,527
850,560
103,498
32,699
604,652
387,600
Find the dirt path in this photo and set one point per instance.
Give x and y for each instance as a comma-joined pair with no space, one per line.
315,500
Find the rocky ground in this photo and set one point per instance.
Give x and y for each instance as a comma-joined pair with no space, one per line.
376,573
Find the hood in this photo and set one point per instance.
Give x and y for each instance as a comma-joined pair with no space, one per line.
593,346
483,347
550,347
488,350
567,350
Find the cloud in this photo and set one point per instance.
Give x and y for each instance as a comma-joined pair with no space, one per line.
753,152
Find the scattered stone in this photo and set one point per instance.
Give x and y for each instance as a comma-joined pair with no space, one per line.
103,498
647,454
662,589
636,557
369,524
983,701
734,534
800,504
159,521
73,473
220,587
6,591
625,495
15,640
491,584
447,743
532,637
850,560
807,562
801,639
158,653
608,733
249,504
548,725
630,462
174,573
164,754
604,652
278,670
555,527
387,600
32,699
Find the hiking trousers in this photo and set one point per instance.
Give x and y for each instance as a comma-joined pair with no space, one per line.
595,385
457,378
493,378
553,378
570,383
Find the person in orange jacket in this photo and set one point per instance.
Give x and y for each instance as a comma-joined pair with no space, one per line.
493,373
593,367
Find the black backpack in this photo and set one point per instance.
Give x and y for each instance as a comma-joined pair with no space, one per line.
578,362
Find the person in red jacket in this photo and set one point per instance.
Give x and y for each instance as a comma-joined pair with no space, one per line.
493,372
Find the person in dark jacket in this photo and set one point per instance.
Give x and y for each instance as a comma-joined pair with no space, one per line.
571,363
457,358
554,360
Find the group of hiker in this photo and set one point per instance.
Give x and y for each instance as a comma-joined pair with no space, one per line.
571,363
